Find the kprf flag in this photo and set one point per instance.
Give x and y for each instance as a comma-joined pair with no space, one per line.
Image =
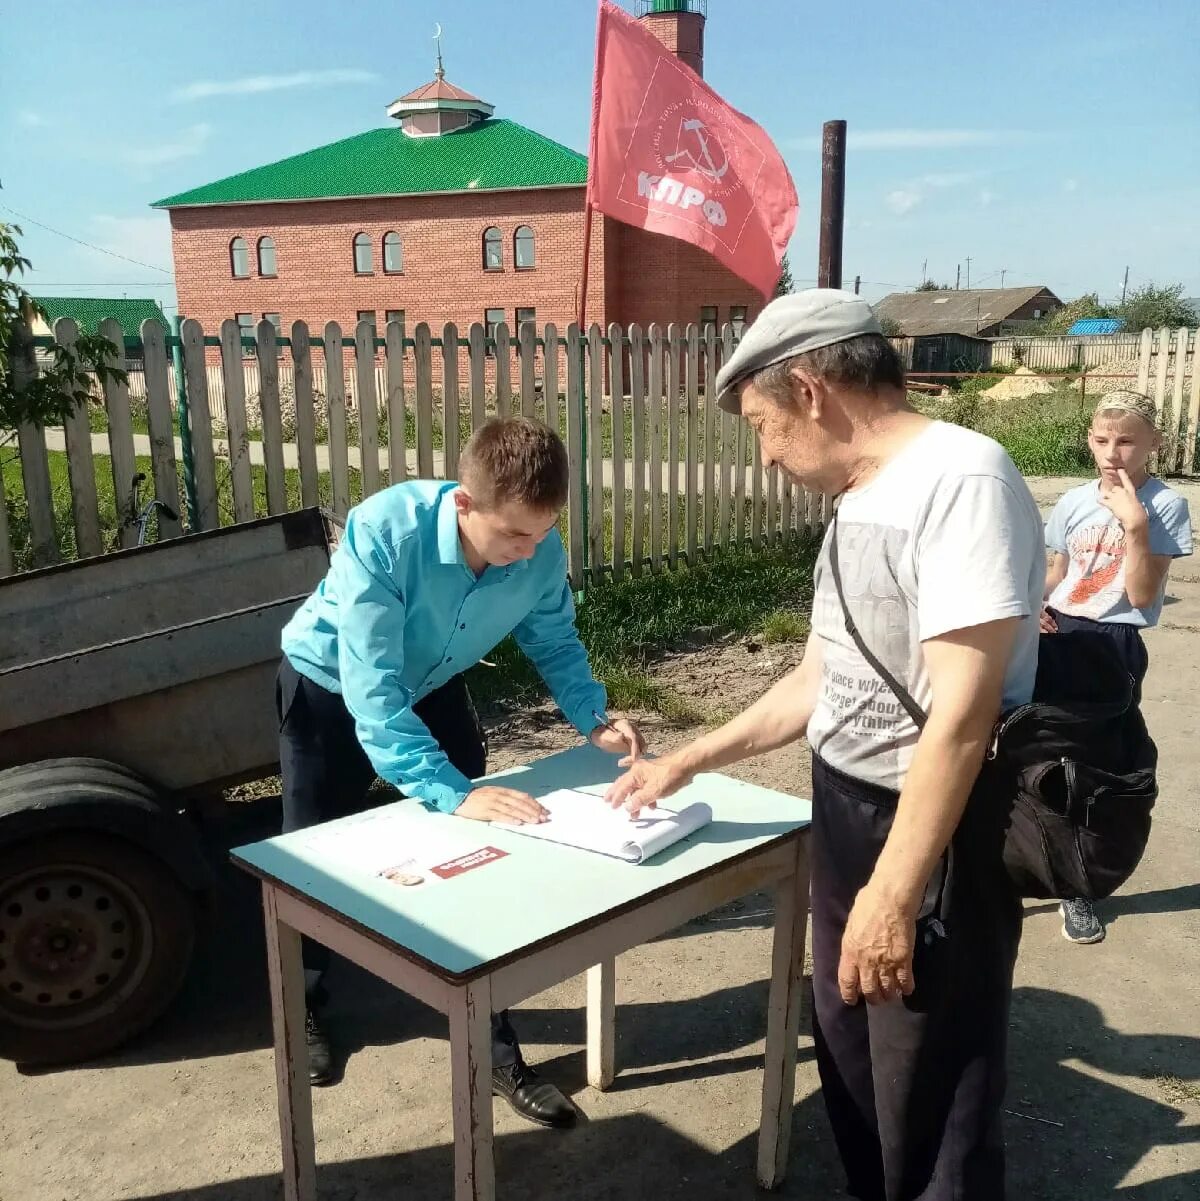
669,155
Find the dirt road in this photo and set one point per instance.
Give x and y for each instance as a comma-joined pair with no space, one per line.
1105,1041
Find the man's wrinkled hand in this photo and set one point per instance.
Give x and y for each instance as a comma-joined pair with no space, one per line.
624,739
877,950
645,783
1046,622
490,803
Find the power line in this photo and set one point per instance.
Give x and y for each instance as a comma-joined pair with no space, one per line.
81,242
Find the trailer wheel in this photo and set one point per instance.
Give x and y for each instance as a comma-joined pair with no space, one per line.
95,938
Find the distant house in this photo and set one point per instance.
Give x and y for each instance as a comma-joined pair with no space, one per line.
976,312
89,311
1097,325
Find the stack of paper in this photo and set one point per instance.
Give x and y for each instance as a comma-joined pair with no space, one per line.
580,819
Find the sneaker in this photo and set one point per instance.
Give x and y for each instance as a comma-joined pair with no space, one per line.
320,1055
1080,923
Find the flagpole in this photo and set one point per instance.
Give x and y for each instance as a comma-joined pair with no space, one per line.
592,140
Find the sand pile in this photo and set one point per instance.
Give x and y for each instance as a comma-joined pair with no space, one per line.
1019,385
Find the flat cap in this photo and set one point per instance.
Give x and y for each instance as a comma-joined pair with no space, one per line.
791,325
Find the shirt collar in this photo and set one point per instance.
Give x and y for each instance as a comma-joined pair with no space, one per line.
449,545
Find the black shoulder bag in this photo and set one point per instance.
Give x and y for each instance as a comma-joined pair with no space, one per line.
1076,764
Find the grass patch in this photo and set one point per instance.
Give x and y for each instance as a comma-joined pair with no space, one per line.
1044,435
784,625
626,625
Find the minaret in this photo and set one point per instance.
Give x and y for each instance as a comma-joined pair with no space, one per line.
679,25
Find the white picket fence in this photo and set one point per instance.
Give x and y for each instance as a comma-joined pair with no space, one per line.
1073,353
659,475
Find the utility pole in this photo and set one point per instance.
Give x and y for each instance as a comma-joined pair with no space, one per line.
1003,273
1125,285
968,271
833,204
957,276
924,271
857,281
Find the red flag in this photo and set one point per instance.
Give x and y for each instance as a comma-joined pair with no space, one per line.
669,155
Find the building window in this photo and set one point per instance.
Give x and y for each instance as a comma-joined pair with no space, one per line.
239,258
737,318
277,322
393,253
523,255
394,315
708,317
493,250
266,257
1037,314
362,255
367,315
246,330
524,315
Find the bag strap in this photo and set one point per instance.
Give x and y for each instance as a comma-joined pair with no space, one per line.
918,715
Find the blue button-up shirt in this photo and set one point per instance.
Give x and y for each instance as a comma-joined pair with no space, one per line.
400,613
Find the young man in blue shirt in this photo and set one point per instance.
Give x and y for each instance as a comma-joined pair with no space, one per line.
429,576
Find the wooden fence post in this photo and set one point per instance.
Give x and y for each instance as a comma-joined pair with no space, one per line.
595,482
120,435
35,465
368,406
267,349
423,355
450,424
306,426
234,375
656,464
578,483
616,359
335,393
397,417
637,399
204,458
81,463
162,427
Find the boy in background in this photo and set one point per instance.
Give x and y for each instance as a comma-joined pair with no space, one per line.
1112,542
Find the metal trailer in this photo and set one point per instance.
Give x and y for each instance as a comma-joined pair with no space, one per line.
132,686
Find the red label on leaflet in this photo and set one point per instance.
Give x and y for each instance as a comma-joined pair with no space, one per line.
465,863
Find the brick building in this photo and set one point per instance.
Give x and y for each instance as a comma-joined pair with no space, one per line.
451,214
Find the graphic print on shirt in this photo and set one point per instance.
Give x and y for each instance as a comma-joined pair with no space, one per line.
858,715
1097,568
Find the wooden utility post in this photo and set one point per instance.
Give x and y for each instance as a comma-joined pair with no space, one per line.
833,204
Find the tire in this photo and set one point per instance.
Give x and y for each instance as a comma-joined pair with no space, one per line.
96,935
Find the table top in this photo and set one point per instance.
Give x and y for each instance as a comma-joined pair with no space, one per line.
537,891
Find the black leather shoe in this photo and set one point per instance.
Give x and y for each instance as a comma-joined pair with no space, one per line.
320,1054
533,1098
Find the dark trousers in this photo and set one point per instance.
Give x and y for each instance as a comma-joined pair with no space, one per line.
914,1088
1126,641
326,774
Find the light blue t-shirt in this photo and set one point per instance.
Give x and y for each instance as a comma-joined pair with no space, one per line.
400,614
1094,542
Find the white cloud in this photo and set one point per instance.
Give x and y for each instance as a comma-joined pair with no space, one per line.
1070,185
31,119
146,238
986,196
920,139
908,195
252,85
903,199
188,144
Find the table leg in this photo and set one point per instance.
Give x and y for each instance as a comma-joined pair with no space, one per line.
601,1012
291,1055
783,1023
471,1081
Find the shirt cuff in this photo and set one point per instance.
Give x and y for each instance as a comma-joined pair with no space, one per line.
583,718
444,790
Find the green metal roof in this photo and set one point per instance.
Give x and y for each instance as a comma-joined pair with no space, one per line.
490,156
89,311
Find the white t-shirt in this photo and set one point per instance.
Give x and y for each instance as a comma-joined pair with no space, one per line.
946,536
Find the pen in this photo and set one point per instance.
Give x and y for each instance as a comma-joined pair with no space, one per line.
607,724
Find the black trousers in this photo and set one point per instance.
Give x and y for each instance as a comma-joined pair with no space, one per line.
1126,640
326,774
914,1088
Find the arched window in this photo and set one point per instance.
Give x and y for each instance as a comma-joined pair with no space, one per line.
362,255
523,255
266,256
239,258
393,253
493,250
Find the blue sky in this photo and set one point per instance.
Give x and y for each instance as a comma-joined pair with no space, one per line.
1057,142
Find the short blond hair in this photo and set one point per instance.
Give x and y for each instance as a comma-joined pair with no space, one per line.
515,459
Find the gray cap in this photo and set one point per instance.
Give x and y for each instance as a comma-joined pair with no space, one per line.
789,326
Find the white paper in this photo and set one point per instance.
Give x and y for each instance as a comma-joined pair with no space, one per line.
586,821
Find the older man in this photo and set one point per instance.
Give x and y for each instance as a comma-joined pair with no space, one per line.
937,551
